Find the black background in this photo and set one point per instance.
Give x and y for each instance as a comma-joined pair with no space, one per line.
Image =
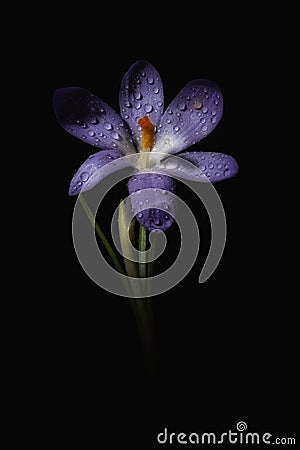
226,349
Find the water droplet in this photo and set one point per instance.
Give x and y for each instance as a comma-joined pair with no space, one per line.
127,104
171,164
140,215
182,107
197,104
159,103
204,128
134,179
202,167
148,108
213,120
217,174
150,80
214,112
91,156
101,134
94,120
79,183
108,126
143,73
210,166
226,172
115,135
84,176
70,129
114,144
91,133
138,105
216,102
170,111
138,95
178,114
176,128
204,109
156,90
169,121
157,222
126,116
83,136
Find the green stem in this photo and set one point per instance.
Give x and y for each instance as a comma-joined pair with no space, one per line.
101,235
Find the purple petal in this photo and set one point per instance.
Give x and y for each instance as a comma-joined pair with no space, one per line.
141,94
94,169
88,118
212,166
191,116
153,218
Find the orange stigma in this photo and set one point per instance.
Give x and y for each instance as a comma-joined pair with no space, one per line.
147,133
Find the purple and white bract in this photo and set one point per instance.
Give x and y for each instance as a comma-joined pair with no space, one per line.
144,126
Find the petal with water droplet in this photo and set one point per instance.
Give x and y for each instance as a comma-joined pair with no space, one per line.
153,218
95,168
141,94
191,116
210,166
88,118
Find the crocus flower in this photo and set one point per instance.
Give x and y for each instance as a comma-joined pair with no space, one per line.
144,126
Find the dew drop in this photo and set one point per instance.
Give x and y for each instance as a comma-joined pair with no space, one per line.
182,107
202,167
210,166
114,144
126,116
197,104
83,136
127,104
115,135
204,109
217,174
159,103
204,128
214,112
91,133
157,222
219,166
140,215
171,164
143,73
170,111
148,108
108,126
156,90
226,172
176,128
150,80
138,105
213,120
138,96
169,121
216,102
79,183
84,176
